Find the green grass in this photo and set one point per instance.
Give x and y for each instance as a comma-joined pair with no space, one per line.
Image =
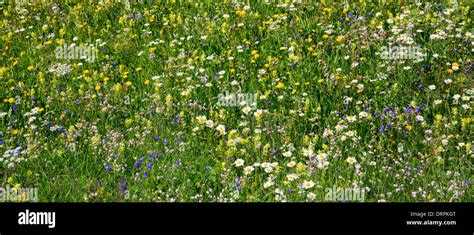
165,60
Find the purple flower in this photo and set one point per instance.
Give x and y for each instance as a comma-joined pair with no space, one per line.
178,163
382,129
108,167
157,138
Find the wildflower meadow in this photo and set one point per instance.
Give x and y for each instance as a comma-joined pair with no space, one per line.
236,101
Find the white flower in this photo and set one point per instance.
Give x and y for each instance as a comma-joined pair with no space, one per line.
248,170
292,177
321,156
246,110
239,162
351,118
201,119
291,164
339,127
265,165
268,184
308,152
351,160
311,196
350,133
268,169
363,114
432,87
420,118
258,113
287,154
307,184
221,129
210,123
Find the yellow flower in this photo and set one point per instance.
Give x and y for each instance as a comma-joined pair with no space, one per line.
128,122
62,32
325,36
240,13
11,100
409,127
339,39
138,69
147,82
97,87
30,68
14,132
3,70
106,79
280,85
320,80
128,84
450,71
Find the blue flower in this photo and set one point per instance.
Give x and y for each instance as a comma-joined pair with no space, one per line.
108,167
